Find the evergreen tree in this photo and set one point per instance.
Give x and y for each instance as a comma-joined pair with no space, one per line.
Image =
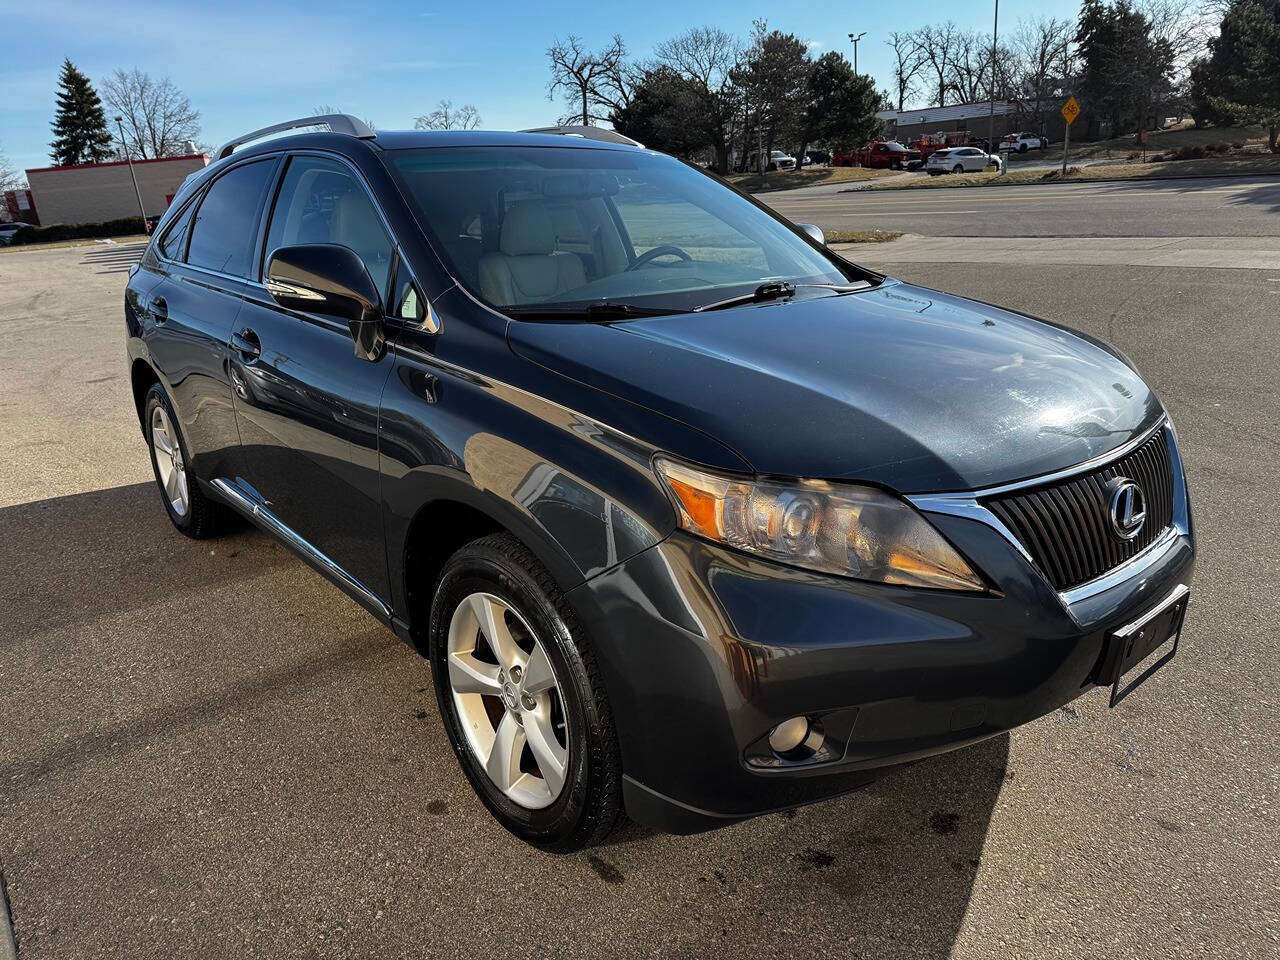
1240,81
80,127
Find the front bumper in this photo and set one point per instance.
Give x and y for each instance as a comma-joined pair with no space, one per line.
704,650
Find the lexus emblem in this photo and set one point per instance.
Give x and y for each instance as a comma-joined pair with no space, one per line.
1128,508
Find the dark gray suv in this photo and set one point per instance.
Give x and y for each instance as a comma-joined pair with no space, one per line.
694,518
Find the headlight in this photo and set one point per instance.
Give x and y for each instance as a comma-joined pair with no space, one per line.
836,528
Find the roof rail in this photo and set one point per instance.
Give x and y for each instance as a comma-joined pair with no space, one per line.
587,133
336,122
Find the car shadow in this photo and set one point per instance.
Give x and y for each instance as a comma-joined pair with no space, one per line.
88,585
897,861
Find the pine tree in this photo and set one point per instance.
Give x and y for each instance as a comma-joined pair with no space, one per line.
80,127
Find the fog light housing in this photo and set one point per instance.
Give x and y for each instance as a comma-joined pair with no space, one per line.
789,735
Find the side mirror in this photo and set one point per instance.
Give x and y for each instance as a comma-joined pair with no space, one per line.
330,280
814,232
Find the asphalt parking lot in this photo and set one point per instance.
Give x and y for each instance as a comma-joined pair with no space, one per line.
206,750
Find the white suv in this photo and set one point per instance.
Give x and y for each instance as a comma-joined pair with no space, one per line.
1022,142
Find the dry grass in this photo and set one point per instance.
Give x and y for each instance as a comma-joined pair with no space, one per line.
1158,141
807,177
862,236
1232,165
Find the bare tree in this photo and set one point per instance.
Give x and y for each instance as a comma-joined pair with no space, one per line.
705,59
1185,25
583,77
158,118
10,178
1039,65
448,117
909,61
938,49
969,77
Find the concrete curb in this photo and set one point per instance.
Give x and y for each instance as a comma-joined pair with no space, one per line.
8,949
1059,182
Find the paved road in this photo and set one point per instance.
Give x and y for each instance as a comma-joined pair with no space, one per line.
1225,207
206,750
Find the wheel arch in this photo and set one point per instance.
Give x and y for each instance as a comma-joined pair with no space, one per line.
142,377
445,522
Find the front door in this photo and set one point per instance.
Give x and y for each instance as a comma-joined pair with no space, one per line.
306,405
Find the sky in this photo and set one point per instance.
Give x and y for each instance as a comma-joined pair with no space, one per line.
245,65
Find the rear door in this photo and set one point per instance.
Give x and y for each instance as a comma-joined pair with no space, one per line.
204,258
306,405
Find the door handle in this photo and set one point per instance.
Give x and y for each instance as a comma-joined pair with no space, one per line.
160,309
247,343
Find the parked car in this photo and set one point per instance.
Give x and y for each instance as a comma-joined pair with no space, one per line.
778,160
959,160
1022,142
8,229
817,158
693,518
882,154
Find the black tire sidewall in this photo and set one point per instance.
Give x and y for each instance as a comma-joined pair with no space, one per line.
156,397
480,568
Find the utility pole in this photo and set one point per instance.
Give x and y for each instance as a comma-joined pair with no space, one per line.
991,124
855,48
124,145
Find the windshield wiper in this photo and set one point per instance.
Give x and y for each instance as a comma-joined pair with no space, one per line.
762,294
599,311
837,287
781,290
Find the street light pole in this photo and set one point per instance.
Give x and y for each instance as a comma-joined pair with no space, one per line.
124,145
855,48
991,124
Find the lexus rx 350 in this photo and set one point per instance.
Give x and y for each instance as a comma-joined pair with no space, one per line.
694,518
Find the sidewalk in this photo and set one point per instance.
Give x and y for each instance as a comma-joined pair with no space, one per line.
1243,253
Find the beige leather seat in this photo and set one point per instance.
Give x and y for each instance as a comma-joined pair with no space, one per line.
528,269
356,225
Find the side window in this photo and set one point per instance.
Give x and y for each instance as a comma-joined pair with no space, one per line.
174,240
320,201
227,220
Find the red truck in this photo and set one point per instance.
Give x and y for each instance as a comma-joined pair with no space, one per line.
879,153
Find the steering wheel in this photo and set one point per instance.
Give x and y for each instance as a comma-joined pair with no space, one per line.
666,250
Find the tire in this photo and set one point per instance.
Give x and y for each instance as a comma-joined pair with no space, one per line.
485,702
189,510
958,168
1022,148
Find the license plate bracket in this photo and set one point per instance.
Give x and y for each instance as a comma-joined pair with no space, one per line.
1136,641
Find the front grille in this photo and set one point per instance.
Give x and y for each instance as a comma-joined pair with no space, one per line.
1066,525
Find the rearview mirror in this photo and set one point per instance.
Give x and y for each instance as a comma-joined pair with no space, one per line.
330,280
814,232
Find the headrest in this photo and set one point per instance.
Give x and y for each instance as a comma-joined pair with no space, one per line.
355,223
527,230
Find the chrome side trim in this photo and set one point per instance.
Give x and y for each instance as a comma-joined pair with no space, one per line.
968,505
256,510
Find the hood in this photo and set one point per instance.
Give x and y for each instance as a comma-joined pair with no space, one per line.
913,389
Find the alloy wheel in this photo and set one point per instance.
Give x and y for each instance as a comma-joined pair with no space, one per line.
508,700
170,467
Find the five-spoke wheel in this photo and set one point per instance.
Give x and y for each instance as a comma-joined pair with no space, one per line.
506,693
522,698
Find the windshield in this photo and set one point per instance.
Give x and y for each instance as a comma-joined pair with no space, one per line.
544,229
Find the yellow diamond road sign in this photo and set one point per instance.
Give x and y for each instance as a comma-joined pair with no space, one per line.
1070,110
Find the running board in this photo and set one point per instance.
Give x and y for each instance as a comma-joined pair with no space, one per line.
256,510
